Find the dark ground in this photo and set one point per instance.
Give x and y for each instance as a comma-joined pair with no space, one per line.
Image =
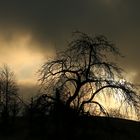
101,128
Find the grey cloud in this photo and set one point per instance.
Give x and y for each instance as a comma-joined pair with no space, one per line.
54,20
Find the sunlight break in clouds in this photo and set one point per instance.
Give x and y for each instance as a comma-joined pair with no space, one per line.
23,57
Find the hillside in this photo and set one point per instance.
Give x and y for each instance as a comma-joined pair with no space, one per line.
81,127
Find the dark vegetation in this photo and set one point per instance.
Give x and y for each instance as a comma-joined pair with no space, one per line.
68,105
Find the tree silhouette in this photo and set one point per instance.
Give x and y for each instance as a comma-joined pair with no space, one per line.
8,92
83,72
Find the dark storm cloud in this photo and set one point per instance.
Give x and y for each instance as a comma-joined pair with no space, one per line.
54,20
48,20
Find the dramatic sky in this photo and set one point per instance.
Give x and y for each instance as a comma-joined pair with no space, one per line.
31,30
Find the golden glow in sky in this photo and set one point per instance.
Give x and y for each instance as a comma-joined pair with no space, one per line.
22,54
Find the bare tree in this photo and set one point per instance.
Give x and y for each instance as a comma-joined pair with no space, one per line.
84,71
8,92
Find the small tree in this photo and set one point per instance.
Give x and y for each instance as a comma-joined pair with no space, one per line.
84,72
8,92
